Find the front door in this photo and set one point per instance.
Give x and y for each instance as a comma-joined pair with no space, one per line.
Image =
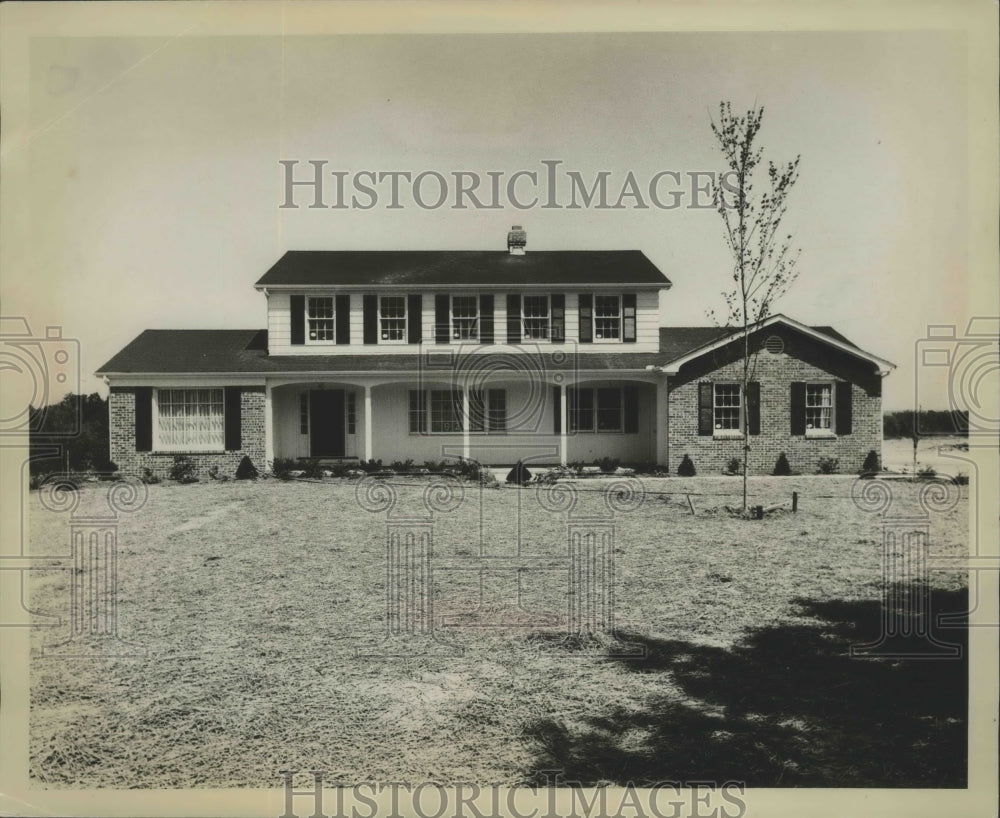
326,423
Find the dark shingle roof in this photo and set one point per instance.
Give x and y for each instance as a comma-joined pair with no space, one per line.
436,268
245,351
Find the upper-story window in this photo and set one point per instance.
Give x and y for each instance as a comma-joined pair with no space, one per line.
607,317
535,316
320,318
392,318
464,317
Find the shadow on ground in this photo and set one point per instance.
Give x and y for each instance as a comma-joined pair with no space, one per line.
788,706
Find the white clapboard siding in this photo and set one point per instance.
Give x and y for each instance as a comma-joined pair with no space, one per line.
279,326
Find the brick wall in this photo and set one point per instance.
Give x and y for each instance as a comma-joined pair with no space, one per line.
121,407
804,359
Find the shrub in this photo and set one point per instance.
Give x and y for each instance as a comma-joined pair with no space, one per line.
607,464
282,467
961,479
828,465
927,472
647,468
434,465
339,469
871,463
148,477
686,467
246,470
734,466
520,474
781,466
401,465
370,466
183,470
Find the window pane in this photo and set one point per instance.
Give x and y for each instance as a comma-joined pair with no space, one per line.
465,313
607,316
609,410
418,411
536,316
498,410
580,407
392,317
819,405
446,411
190,419
727,406
319,316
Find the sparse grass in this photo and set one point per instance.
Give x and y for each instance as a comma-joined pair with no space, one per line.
251,597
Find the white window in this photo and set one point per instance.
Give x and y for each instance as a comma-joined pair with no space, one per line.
607,318
190,420
488,411
392,318
418,411
727,407
465,317
446,410
819,408
320,319
536,317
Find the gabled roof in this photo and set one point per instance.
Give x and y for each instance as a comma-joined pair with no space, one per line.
701,341
472,268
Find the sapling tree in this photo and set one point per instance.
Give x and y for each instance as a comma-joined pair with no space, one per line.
752,201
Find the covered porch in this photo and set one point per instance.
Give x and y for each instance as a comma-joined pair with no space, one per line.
497,420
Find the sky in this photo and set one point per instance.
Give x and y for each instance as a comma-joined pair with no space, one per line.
151,185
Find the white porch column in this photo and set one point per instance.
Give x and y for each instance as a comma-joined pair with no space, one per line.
268,428
368,423
563,426
466,447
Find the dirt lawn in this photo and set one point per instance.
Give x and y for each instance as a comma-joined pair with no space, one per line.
249,600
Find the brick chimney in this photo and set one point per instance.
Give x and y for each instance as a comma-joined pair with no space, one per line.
517,238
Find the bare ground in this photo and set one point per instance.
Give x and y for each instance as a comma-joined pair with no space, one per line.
246,603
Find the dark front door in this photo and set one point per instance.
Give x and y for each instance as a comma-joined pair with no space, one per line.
326,423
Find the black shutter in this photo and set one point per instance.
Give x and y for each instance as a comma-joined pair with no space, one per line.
628,318
556,410
369,319
558,306
705,414
414,319
753,407
630,408
298,318
441,319
586,319
513,319
797,406
233,419
343,319
486,319
842,405
144,419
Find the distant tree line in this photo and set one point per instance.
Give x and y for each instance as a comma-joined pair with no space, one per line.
930,421
54,428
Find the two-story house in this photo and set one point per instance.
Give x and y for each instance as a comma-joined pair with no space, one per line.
545,357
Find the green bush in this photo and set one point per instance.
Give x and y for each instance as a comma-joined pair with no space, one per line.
370,466
607,464
781,466
686,467
828,465
734,466
148,477
183,470
871,463
282,467
246,470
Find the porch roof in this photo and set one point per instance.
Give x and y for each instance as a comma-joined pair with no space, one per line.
244,351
